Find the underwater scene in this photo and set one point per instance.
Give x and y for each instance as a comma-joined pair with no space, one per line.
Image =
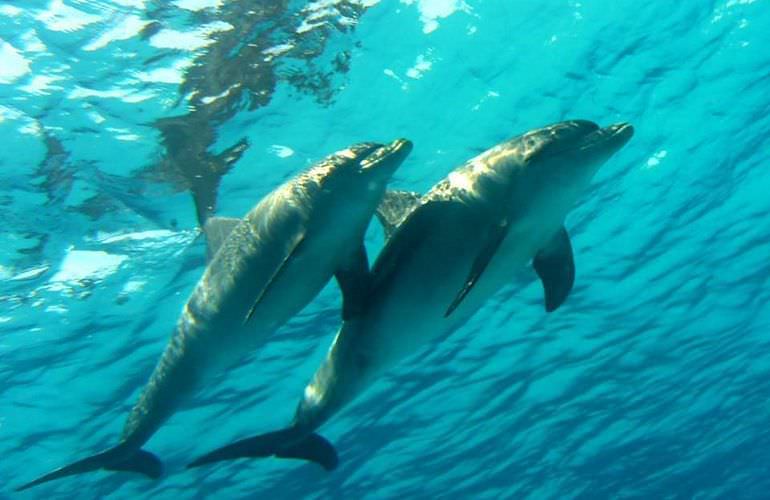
385,249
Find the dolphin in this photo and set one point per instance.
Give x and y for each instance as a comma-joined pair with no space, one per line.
447,252
264,269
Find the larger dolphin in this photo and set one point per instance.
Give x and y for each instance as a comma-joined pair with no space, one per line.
269,266
450,251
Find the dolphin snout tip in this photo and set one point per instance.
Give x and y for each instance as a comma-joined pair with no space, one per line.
399,149
623,129
618,134
402,145
391,154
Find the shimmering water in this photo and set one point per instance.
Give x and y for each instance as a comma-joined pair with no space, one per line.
652,381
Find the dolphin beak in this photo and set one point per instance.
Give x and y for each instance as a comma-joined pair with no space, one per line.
613,137
607,139
621,131
360,150
392,154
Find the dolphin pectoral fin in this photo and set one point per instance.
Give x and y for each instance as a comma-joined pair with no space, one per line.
217,229
556,267
294,247
282,444
139,461
353,280
494,239
394,208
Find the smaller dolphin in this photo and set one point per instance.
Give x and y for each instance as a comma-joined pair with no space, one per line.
265,269
448,252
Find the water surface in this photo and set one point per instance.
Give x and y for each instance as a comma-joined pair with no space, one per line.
652,381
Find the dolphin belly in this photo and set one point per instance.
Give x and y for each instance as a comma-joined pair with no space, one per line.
404,314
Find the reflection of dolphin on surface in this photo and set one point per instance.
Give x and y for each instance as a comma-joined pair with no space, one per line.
267,267
448,252
240,70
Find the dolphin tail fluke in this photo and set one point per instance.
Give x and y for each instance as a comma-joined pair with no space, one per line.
142,462
314,448
282,444
114,458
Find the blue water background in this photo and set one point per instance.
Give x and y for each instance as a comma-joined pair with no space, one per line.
652,381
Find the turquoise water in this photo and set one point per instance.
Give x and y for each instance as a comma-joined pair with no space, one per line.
652,381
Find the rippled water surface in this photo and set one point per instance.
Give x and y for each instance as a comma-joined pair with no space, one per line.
125,123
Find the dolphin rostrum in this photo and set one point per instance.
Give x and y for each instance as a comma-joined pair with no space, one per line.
448,252
264,269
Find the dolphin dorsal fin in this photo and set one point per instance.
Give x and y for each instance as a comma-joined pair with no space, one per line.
217,229
394,208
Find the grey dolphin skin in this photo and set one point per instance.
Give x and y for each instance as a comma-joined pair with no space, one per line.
448,252
265,268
